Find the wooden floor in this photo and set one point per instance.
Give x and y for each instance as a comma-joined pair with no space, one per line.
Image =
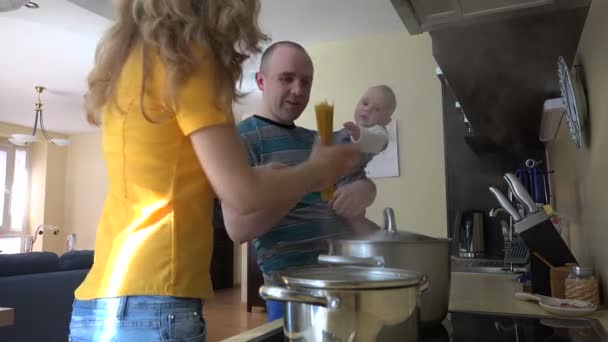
226,316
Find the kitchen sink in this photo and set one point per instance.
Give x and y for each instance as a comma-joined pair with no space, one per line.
470,265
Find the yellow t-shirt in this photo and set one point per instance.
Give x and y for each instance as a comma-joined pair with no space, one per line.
155,232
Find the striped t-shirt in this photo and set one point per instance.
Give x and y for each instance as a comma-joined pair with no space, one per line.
302,234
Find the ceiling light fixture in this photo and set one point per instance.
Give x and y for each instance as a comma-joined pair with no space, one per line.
31,5
26,139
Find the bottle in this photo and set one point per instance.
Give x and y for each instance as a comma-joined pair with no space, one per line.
29,244
71,242
581,284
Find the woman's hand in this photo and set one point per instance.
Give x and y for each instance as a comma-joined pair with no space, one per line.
332,162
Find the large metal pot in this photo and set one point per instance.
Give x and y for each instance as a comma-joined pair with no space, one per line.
404,250
349,303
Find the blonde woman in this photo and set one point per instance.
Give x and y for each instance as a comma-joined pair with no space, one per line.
162,88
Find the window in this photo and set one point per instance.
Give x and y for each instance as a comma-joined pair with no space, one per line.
14,181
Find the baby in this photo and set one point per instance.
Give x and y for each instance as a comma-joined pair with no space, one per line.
372,113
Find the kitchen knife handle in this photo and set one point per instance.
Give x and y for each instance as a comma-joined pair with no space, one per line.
504,202
521,193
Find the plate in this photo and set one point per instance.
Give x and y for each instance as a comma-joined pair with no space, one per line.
568,312
574,100
554,305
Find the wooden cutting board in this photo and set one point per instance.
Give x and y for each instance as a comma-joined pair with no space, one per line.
7,317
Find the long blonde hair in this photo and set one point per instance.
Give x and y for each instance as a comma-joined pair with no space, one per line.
226,29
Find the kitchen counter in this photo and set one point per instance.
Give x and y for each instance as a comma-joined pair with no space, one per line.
257,332
476,292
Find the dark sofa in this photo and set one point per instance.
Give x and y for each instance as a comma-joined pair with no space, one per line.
40,287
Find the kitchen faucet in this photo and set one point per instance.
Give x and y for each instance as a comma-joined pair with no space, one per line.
507,233
495,211
507,228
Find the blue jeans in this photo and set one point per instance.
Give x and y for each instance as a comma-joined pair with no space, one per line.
275,310
138,318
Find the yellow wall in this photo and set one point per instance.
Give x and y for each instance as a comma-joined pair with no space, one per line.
7,129
344,70
37,189
580,183
86,188
47,186
54,198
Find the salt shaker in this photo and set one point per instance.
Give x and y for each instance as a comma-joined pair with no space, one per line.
581,284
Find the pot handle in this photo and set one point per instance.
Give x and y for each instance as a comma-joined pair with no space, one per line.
389,220
374,261
424,283
289,295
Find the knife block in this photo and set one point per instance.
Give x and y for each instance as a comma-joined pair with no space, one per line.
544,239
541,276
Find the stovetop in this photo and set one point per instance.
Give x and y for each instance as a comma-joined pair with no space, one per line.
466,326
469,326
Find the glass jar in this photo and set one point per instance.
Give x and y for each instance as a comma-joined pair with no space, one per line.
581,284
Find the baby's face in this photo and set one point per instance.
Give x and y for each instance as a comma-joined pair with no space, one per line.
373,109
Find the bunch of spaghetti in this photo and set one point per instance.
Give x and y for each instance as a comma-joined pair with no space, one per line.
325,123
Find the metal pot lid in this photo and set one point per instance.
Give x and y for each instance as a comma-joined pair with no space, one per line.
350,277
389,233
392,236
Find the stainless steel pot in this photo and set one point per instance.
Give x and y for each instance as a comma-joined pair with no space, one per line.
404,250
349,303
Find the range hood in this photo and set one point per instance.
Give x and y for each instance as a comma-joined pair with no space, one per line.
101,7
500,58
